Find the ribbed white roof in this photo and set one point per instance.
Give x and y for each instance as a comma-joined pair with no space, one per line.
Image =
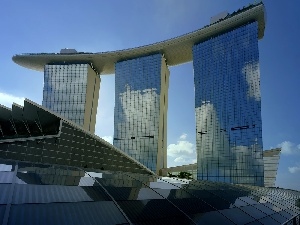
177,50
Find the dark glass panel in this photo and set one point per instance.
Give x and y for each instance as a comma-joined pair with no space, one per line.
279,218
268,220
212,199
210,218
264,209
153,212
237,216
252,211
66,213
192,205
2,211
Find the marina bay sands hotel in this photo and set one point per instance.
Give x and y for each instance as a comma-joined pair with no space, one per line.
225,58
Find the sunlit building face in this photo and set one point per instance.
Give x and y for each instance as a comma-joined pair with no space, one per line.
141,92
228,107
72,91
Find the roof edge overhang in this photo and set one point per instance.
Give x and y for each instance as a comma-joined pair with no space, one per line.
176,51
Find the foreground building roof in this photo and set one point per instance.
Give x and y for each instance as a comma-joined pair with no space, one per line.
33,133
36,193
176,51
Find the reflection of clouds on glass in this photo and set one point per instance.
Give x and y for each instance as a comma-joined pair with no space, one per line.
252,74
212,143
65,90
139,110
228,111
139,118
223,158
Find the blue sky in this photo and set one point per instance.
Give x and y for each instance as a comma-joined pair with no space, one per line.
36,26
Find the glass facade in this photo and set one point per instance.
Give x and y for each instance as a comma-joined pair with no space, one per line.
270,158
228,107
72,91
141,92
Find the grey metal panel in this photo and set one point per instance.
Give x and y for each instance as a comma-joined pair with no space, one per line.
17,111
45,120
5,113
17,117
5,192
6,124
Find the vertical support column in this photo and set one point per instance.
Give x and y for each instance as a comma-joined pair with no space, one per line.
141,109
228,107
72,90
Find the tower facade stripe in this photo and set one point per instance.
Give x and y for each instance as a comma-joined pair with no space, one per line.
140,115
228,107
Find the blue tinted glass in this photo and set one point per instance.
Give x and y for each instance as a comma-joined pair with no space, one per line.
139,118
66,90
228,107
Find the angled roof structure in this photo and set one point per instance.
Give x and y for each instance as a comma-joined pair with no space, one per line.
34,133
176,51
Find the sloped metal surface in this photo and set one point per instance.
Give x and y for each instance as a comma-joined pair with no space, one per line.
111,197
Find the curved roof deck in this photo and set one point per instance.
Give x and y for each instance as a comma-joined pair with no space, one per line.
177,50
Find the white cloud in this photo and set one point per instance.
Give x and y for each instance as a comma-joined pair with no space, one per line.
183,152
294,169
183,136
180,159
251,71
7,99
108,139
289,148
183,160
182,147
